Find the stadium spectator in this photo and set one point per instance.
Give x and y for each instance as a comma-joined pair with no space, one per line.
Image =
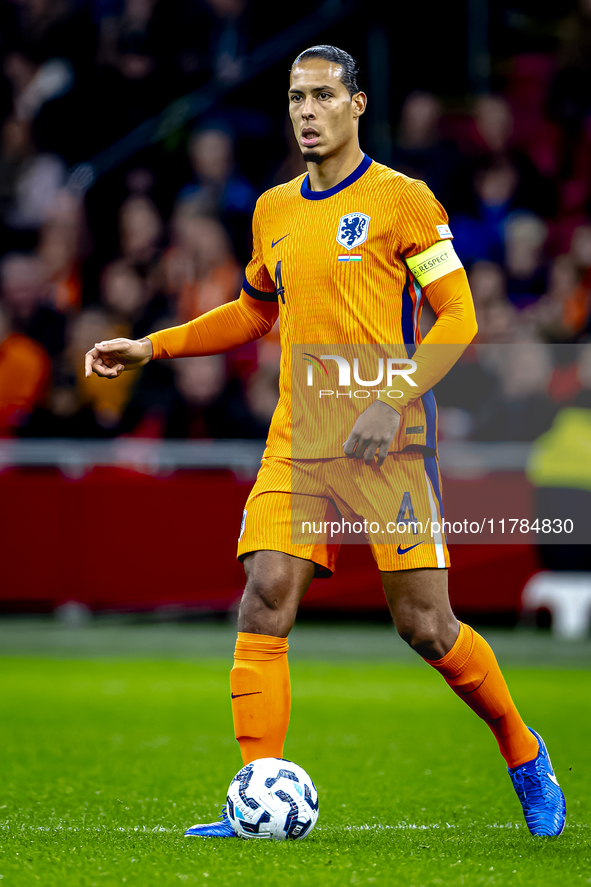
420,152
140,233
61,100
487,282
36,192
496,316
479,232
519,409
33,85
493,125
124,294
30,183
62,243
120,19
577,306
218,189
129,300
546,317
527,90
261,394
200,268
26,297
43,94
525,235
25,371
199,411
490,149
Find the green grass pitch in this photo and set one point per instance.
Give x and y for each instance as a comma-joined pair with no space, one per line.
106,760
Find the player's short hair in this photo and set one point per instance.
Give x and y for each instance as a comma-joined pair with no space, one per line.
348,64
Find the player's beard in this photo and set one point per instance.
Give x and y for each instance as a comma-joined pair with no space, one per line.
311,157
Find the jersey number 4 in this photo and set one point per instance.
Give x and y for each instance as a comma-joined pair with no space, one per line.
279,288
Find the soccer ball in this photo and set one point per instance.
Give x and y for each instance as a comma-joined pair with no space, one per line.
272,798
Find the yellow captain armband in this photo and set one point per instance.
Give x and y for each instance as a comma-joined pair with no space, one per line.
434,262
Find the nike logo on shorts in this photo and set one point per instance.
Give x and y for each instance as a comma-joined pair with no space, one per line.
275,242
238,695
400,550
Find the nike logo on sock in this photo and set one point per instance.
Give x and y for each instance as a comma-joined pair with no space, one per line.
237,695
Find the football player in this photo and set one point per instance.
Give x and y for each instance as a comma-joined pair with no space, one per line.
347,254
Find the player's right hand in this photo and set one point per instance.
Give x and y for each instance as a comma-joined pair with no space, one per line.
109,359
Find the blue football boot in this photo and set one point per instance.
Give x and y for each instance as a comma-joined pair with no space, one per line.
221,829
541,797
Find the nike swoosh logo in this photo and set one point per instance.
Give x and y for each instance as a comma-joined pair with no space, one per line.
474,689
404,550
275,242
238,695
553,779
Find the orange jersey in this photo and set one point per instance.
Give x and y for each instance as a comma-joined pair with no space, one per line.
337,264
345,269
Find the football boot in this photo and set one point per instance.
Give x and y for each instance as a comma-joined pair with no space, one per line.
221,829
538,790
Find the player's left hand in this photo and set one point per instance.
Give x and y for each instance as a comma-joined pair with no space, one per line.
373,433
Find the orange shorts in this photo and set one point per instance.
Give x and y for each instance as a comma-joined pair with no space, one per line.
308,508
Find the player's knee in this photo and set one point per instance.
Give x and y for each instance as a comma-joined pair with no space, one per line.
266,608
415,634
262,592
422,633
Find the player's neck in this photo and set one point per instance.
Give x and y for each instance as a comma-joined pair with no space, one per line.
334,169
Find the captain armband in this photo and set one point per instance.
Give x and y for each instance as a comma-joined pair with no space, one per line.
434,262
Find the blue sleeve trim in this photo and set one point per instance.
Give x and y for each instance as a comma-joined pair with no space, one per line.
261,295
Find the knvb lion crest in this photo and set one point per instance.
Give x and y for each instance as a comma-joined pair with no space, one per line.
353,230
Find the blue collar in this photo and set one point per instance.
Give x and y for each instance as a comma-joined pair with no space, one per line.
322,195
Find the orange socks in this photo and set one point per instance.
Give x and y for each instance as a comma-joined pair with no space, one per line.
261,695
471,670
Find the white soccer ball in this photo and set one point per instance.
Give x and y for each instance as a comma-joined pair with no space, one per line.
272,798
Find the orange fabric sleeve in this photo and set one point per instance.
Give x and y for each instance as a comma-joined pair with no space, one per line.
448,338
261,695
451,300
220,330
472,671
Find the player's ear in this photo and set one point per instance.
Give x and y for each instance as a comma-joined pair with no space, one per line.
359,102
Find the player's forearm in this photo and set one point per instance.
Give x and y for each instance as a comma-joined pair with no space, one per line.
218,331
446,341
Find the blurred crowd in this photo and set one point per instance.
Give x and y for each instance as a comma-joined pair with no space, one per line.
166,238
